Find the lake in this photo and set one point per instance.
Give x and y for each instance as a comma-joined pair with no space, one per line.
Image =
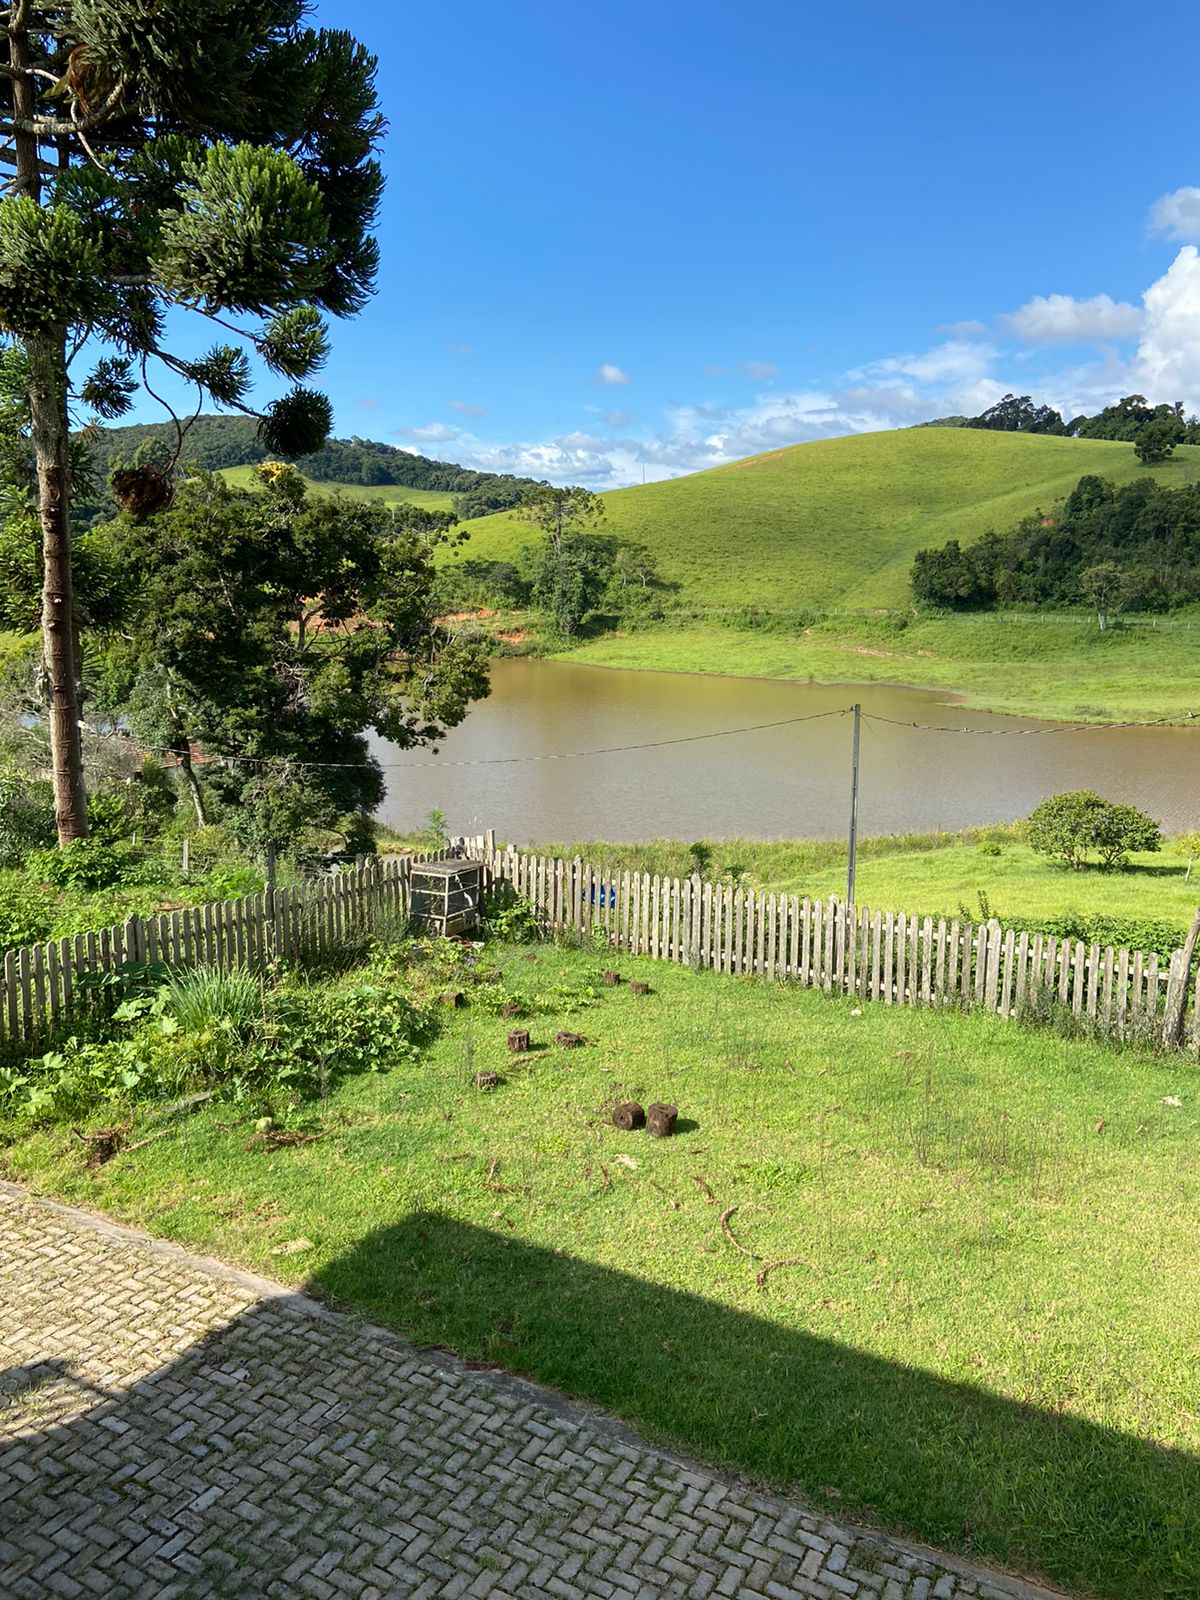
782,782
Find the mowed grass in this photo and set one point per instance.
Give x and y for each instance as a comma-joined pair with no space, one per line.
934,874
834,524
388,494
980,1330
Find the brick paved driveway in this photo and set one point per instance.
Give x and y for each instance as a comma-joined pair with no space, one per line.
171,1428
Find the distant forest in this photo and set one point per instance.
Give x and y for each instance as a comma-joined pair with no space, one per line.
214,442
1138,545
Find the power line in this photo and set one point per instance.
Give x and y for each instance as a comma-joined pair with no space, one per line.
554,755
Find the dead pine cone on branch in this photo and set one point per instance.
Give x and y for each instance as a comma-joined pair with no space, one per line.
141,491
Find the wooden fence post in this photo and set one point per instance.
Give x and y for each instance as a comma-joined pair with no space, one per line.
1179,987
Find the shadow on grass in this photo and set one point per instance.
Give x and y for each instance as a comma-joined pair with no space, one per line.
948,1463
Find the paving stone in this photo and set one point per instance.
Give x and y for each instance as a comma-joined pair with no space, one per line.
171,1428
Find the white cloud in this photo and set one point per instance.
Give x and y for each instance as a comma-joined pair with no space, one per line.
618,419
607,373
467,409
1168,358
758,371
956,361
964,330
1177,214
1061,319
430,433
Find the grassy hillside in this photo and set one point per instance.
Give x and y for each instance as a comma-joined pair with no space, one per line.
835,524
390,494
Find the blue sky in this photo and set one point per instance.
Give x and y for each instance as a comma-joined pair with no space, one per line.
621,237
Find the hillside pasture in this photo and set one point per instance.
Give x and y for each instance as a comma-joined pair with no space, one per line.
386,494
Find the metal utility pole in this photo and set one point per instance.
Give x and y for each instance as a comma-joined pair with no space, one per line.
857,709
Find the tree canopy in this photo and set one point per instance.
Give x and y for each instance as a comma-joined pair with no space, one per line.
1142,540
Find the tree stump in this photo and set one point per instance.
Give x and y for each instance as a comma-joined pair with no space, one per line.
628,1116
569,1041
486,1080
660,1120
612,979
637,987
454,998
518,1040
513,1009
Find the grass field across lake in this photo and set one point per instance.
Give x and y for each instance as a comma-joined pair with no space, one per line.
979,1325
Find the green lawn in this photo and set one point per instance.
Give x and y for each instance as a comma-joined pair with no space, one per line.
983,1332
389,494
934,874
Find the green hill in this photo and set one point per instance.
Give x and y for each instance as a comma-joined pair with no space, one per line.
834,525
390,494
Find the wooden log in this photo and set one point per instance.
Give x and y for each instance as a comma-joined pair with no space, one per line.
660,1120
612,978
569,1041
628,1116
486,1080
637,987
518,1041
454,998
513,1009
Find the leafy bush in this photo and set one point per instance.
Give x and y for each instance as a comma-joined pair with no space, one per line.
85,864
510,916
25,916
1069,827
26,817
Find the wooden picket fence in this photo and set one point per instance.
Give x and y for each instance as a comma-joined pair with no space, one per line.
888,957
882,956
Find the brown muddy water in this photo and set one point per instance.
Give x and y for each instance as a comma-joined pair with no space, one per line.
781,782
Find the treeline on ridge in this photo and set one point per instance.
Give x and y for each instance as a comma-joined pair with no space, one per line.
215,442
1154,431
1138,545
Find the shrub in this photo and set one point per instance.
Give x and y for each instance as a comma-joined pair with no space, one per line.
208,1000
25,916
26,817
85,864
1070,827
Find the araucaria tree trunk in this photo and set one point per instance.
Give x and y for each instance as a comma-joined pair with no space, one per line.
48,409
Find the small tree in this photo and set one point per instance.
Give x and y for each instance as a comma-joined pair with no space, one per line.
1157,440
569,576
1069,827
561,512
1104,586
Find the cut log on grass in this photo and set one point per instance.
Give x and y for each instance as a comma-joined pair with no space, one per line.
486,1080
513,1009
660,1120
453,998
612,979
518,1040
629,1115
638,987
569,1041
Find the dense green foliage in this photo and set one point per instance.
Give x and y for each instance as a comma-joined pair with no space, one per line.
1136,546
1018,414
216,442
273,630
1154,431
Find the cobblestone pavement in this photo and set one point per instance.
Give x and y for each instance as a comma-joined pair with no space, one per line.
171,1428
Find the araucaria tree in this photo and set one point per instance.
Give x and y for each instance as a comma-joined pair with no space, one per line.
210,155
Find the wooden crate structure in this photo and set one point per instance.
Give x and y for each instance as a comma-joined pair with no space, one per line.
446,897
